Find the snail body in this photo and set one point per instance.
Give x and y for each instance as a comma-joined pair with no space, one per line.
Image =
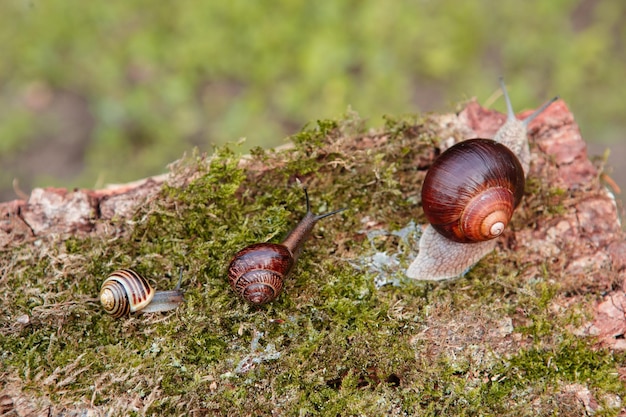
125,291
257,272
469,195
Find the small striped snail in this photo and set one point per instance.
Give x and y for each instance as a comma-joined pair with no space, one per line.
257,272
125,291
469,195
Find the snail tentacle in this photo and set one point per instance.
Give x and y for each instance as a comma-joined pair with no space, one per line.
469,195
126,291
258,271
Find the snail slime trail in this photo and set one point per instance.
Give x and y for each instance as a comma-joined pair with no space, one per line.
257,272
469,195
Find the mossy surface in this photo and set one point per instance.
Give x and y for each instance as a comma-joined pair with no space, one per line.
333,343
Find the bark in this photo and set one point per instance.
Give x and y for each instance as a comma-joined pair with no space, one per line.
584,242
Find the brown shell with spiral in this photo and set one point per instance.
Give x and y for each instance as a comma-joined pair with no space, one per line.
470,192
257,272
125,291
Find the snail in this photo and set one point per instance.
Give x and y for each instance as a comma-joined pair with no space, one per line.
125,291
469,195
257,272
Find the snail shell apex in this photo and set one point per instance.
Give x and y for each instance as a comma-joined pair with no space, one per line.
471,190
257,272
115,290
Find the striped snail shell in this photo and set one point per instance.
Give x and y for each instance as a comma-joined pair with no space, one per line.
125,291
257,272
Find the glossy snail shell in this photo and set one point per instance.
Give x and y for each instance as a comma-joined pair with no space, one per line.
258,271
470,192
125,291
452,244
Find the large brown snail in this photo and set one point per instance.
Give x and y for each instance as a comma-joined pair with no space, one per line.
258,271
469,195
125,291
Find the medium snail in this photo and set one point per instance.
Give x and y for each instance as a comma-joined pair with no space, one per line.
258,271
125,291
469,195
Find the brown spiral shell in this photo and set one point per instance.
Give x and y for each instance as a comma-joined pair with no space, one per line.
470,192
125,291
257,272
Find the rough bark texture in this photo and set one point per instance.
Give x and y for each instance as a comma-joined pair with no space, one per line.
584,242
60,211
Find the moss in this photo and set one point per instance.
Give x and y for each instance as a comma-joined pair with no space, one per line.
543,199
569,361
333,343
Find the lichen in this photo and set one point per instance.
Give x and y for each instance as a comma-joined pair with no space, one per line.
334,343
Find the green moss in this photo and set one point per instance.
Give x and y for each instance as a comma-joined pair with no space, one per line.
332,343
540,199
316,136
569,361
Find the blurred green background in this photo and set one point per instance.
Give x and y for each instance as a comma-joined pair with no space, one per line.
102,92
